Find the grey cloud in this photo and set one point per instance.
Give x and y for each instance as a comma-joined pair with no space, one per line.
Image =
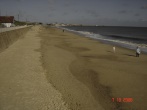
65,14
19,0
51,15
122,12
51,1
142,19
51,5
92,13
125,4
144,7
75,11
67,4
137,14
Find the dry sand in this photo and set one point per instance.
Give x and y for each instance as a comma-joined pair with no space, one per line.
89,74
23,85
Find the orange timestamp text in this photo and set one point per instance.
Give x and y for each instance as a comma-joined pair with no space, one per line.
125,100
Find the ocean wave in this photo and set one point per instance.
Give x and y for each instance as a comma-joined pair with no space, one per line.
97,36
105,39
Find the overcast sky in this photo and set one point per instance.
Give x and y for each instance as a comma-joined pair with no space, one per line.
89,12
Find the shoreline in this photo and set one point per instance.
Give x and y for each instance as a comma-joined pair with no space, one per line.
89,74
121,44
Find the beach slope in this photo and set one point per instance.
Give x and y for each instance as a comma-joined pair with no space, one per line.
23,85
89,75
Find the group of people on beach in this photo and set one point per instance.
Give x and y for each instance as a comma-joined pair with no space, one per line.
138,51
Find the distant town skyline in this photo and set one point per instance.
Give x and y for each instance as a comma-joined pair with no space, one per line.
86,12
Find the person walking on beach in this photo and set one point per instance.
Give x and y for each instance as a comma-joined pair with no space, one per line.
138,51
114,49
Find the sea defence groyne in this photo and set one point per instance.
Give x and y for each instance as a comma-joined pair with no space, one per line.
7,38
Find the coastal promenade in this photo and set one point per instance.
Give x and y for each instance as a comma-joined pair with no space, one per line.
11,28
23,85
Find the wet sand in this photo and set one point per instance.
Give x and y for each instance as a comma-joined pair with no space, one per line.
88,74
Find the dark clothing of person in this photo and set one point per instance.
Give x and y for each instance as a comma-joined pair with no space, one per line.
137,54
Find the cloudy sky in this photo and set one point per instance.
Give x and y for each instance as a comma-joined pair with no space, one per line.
88,12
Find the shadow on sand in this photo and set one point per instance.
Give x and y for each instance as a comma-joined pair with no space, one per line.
110,51
130,55
124,54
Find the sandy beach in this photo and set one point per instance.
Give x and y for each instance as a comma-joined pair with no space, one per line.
88,74
48,69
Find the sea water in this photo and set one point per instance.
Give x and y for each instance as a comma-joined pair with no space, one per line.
127,37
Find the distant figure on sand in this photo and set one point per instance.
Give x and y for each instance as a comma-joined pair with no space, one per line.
63,30
138,51
114,49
